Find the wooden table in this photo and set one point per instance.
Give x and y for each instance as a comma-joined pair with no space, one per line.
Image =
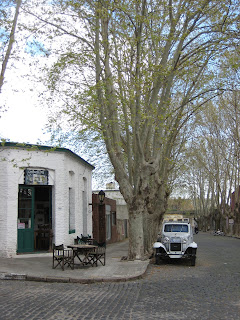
84,250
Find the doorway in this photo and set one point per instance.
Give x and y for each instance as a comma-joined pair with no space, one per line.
34,218
43,218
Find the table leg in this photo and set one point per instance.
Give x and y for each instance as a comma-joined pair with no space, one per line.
88,259
76,253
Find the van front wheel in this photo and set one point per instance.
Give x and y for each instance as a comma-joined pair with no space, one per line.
193,261
157,260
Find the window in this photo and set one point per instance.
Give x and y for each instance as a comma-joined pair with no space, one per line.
176,228
71,211
114,219
108,223
85,207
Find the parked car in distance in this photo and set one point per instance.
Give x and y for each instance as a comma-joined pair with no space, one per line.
175,242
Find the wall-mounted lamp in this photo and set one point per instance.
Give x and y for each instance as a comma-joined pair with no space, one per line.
101,196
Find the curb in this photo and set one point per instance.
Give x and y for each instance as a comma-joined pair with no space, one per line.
25,277
12,276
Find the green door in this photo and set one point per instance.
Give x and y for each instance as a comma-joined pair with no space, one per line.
25,219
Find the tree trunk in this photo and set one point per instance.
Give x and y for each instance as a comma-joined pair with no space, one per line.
10,43
136,237
151,228
144,223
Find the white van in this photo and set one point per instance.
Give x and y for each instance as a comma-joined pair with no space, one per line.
175,241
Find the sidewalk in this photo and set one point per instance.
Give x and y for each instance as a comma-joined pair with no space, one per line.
38,267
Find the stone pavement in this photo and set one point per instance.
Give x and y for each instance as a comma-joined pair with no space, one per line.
38,267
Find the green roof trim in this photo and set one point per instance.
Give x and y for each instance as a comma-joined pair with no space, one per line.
35,147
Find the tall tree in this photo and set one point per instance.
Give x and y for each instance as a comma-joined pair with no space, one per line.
136,71
4,6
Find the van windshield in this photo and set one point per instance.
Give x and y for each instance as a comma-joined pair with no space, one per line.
176,228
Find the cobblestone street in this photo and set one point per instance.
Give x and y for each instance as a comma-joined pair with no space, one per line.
210,290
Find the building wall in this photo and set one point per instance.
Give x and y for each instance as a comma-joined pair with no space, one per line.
65,171
121,211
100,212
8,206
233,222
114,234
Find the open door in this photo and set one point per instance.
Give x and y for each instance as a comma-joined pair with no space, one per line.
43,218
25,219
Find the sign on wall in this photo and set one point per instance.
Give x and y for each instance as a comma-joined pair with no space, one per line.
35,177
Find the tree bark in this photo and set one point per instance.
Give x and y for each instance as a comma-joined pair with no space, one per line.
136,237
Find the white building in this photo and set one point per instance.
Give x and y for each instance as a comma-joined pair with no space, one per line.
46,196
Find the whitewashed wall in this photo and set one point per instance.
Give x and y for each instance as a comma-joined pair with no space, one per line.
62,166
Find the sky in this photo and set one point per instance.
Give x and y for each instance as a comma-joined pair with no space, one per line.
22,116
24,120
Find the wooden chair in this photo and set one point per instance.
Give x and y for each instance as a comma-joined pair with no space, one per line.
99,254
62,257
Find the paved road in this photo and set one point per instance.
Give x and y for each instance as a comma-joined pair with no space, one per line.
210,290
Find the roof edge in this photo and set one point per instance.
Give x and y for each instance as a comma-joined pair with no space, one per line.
34,147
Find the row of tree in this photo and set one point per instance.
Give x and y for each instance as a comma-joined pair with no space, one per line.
213,160
214,152
145,77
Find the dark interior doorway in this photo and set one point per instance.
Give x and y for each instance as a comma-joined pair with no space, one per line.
43,218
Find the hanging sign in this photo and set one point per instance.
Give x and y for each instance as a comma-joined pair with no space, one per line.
35,177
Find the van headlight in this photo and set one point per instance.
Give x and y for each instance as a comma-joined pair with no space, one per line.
184,240
166,239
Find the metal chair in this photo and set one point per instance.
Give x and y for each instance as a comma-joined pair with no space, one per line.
83,240
62,257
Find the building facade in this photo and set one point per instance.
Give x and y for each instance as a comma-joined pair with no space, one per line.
121,210
46,196
104,220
